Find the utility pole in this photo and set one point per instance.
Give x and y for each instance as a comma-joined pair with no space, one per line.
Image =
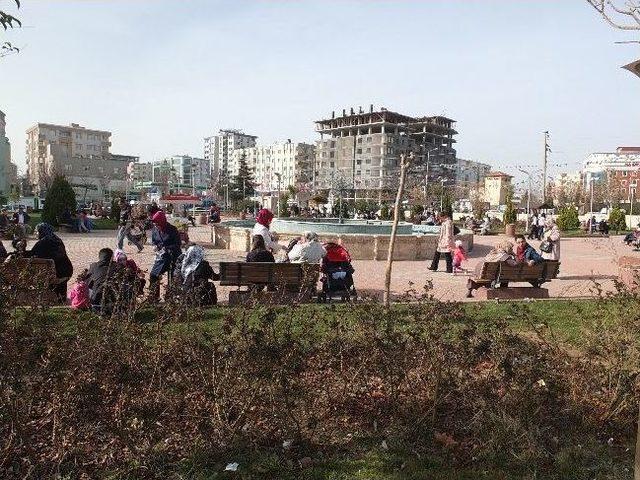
544,166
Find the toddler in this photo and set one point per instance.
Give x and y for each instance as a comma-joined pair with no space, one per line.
79,294
459,256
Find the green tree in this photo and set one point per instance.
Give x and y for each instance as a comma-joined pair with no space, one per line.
447,207
568,218
60,196
510,214
617,220
242,184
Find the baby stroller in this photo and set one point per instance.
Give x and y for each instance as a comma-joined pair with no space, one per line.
337,274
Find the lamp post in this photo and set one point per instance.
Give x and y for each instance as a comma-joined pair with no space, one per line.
442,182
528,196
278,176
591,180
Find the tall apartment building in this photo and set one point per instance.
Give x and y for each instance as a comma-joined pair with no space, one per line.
182,172
218,150
290,161
81,155
8,171
362,150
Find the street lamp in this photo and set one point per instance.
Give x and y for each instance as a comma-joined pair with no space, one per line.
528,196
442,182
278,176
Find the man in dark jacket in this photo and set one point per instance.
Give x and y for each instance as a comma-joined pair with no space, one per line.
525,253
124,226
51,247
110,282
166,239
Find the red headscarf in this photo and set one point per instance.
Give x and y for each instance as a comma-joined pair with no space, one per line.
520,253
160,219
264,217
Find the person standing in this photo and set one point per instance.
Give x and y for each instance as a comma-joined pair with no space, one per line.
166,239
533,227
552,237
124,228
445,244
21,219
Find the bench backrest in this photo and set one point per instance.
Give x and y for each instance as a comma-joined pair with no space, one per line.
547,270
252,273
28,273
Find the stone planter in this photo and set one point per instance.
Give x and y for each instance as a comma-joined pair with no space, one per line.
510,229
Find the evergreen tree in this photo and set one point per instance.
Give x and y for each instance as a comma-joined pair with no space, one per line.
60,196
510,213
242,184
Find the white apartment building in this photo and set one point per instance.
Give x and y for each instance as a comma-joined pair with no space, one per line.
183,172
219,150
8,171
470,173
278,165
81,155
141,172
625,160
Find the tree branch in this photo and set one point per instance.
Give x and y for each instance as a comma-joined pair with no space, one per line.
600,7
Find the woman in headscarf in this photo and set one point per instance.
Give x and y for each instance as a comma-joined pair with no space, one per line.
552,236
309,251
166,240
263,222
49,246
501,252
193,277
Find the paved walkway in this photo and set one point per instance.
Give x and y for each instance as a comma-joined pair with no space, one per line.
586,262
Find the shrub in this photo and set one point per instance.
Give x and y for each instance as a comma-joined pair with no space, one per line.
115,209
510,214
385,212
617,220
60,196
568,219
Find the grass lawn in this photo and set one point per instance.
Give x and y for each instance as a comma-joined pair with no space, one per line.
98,223
367,458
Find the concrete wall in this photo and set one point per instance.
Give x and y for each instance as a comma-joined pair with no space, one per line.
361,247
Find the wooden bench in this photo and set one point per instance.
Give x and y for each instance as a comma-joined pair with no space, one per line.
286,282
28,282
498,275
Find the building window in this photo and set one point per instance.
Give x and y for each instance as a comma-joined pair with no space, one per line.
359,150
369,150
331,154
332,164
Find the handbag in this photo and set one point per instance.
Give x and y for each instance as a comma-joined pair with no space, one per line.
546,246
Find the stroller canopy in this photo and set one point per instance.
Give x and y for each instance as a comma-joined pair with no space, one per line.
336,253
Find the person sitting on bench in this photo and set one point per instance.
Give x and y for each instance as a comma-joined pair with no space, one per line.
525,253
501,252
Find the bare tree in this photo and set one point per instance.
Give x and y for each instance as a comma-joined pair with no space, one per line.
8,21
623,18
405,162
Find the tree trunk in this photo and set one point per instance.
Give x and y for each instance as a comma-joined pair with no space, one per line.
394,228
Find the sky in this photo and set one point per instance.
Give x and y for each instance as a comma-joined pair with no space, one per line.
161,75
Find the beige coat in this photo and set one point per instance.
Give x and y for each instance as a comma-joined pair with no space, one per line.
554,236
445,241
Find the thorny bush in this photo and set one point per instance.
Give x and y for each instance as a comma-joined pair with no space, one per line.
132,398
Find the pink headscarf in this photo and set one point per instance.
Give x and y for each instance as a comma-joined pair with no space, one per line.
160,219
264,217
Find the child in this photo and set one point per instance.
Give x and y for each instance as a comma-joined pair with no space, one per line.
79,294
459,256
135,273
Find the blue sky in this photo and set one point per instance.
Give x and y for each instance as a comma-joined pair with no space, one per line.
161,75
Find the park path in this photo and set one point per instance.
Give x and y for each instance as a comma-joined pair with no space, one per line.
587,264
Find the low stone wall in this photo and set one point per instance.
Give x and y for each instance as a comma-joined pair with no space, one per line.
361,247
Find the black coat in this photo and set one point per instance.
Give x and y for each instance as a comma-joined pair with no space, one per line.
52,248
264,256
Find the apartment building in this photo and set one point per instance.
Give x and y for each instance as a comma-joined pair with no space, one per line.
619,169
81,155
470,173
219,150
363,150
278,166
8,171
182,172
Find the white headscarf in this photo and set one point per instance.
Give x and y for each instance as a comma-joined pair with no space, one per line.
193,257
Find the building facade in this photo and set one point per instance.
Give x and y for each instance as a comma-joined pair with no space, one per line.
8,171
81,155
496,188
619,169
181,173
470,173
278,166
362,150
219,150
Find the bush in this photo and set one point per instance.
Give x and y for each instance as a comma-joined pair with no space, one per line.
617,220
60,196
385,212
115,210
510,214
568,219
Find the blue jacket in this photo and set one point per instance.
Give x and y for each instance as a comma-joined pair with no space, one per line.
169,239
531,254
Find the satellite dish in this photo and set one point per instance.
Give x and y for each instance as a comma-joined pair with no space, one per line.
633,67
